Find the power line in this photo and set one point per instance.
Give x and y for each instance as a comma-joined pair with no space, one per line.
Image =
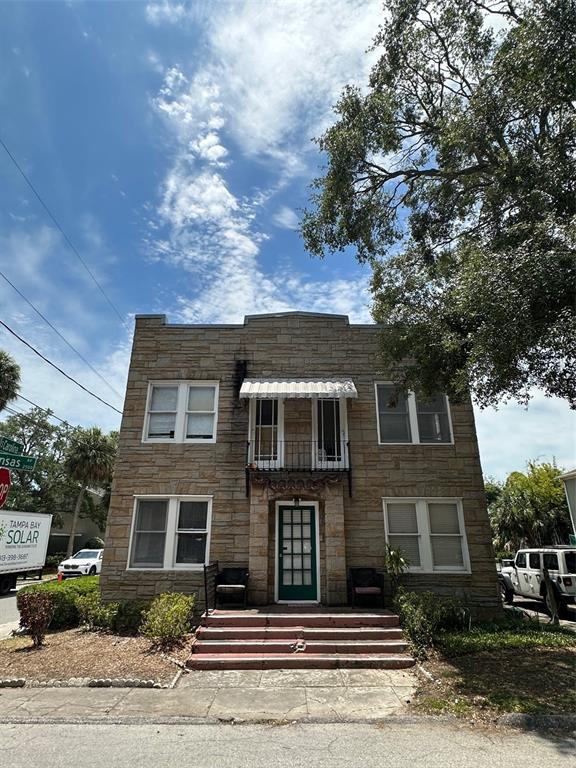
80,355
36,352
64,235
46,410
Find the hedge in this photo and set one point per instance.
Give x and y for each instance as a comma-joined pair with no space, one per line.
64,595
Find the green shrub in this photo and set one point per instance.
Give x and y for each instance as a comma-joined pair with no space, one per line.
129,616
94,543
64,594
36,611
94,614
424,615
169,618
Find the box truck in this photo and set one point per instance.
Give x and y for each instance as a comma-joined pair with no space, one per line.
23,545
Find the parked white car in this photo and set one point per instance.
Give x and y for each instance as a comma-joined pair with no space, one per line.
86,562
525,575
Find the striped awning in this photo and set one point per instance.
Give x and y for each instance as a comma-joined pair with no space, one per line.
297,388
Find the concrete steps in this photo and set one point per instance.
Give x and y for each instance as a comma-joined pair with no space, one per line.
299,640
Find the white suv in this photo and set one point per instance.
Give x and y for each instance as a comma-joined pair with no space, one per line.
86,562
525,576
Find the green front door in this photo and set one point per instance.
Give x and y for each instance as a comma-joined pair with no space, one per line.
297,575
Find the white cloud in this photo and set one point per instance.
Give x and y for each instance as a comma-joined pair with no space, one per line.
166,12
512,435
286,218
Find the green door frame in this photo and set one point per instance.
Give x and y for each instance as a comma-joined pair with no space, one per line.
302,593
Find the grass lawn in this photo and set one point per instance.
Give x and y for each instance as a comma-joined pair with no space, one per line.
507,666
76,653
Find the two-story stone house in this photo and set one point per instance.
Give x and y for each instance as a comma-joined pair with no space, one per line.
278,445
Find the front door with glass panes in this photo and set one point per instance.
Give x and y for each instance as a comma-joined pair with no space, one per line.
296,560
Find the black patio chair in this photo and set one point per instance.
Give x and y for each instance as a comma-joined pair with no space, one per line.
232,586
365,583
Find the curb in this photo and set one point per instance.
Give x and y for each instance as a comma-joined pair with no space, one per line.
566,723
87,682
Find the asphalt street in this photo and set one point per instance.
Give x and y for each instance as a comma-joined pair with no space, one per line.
397,745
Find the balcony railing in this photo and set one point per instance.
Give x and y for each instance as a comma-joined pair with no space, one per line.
299,456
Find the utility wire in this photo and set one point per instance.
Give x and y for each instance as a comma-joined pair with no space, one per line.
80,355
36,352
46,410
64,235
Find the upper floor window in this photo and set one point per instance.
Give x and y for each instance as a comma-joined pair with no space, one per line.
405,418
179,412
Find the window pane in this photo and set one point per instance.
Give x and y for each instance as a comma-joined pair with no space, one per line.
410,546
521,560
161,425
550,561
447,551
164,399
148,550
200,426
193,514
570,558
201,398
433,424
151,515
191,548
443,518
266,412
393,415
534,560
402,518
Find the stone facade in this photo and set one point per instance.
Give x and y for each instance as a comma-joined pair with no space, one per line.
351,526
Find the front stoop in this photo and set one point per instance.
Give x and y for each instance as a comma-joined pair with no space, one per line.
322,640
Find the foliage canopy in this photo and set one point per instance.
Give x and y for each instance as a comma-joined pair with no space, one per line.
529,509
454,176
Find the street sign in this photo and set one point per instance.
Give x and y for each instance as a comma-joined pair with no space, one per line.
10,446
10,461
5,483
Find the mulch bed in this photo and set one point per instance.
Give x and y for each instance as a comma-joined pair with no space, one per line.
75,653
482,686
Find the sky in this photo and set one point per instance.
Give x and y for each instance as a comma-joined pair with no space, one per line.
173,143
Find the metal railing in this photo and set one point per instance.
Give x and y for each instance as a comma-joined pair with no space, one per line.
210,573
299,456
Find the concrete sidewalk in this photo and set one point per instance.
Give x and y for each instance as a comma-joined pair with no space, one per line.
345,695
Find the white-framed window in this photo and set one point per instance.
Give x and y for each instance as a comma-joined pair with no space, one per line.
181,412
170,533
407,419
430,532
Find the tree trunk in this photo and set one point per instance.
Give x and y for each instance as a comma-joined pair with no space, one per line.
75,518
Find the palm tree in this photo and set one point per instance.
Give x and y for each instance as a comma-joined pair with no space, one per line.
89,460
9,379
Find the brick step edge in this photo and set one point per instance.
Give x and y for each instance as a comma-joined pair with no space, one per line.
299,661
361,634
317,621
280,646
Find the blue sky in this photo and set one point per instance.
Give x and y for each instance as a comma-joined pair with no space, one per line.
173,143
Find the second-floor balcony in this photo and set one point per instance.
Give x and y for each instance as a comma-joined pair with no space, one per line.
298,456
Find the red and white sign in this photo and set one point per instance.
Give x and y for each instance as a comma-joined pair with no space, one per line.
5,483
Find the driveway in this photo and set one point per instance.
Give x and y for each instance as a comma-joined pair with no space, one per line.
536,609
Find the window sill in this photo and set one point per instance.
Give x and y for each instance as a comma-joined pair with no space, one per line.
172,569
436,445
173,441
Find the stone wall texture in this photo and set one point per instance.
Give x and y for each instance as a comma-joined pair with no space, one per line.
351,526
